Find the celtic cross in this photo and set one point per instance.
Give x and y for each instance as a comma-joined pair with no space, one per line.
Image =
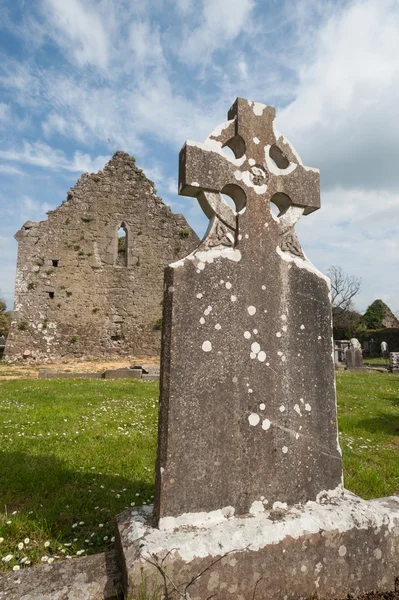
265,169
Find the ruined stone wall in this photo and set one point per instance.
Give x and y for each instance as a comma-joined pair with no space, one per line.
75,294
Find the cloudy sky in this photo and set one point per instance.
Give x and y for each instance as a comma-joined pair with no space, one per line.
80,79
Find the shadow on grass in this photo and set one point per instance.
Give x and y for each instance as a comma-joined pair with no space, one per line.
384,423
59,496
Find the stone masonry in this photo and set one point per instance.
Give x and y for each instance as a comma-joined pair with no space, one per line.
82,291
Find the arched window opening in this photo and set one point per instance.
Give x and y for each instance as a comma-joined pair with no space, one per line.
122,246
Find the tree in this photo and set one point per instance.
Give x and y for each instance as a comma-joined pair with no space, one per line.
4,319
344,288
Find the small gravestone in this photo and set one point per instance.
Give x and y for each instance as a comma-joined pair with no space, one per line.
354,356
394,362
249,499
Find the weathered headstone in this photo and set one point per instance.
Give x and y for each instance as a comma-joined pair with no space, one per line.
394,362
384,349
249,500
354,356
248,411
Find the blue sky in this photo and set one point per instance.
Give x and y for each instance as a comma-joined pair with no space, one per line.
80,79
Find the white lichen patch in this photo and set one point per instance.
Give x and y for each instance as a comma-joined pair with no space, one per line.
202,320
297,409
199,535
282,408
279,505
278,334
209,256
308,407
247,335
283,317
284,449
233,298
262,356
255,331
302,327
258,108
256,140
256,507
303,264
262,406
255,347
218,326
251,310
266,424
199,296
253,419
228,285
207,346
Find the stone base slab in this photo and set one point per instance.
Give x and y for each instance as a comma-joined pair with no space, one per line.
94,577
347,545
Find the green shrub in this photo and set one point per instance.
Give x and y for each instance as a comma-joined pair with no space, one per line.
74,339
158,324
374,315
185,233
22,325
122,244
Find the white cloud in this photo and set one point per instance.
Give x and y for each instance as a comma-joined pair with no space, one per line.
146,45
10,170
344,116
347,231
221,21
42,155
78,27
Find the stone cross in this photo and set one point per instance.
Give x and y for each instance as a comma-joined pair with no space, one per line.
247,406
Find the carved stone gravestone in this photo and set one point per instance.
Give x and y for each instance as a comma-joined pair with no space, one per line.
249,499
248,411
354,356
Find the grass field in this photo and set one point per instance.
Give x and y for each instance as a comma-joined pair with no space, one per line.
75,453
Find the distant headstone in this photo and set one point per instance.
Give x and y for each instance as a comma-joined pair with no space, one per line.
384,349
2,341
248,413
394,362
354,356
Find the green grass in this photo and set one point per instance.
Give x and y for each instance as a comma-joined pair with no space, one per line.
379,360
368,413
75,453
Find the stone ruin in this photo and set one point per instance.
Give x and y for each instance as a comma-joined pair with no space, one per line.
83,291
249,497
